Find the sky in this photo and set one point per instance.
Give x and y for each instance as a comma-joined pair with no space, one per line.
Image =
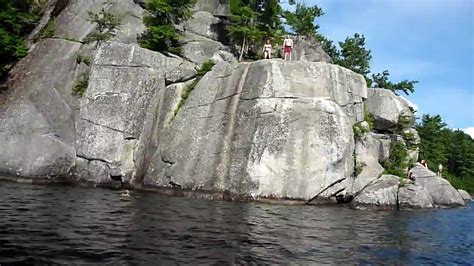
431,41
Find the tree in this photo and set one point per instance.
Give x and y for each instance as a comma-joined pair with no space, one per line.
106,26
161,35
354,55
452,148
17,19
433,140
302,20
381,81
329,47
243,27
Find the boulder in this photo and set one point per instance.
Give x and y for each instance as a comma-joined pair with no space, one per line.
256,128
464,194
202,24
440,189
367,150
198,49
387,109
414,196
217,8
380,194
308,50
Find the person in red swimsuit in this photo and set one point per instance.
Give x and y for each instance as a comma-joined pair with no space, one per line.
287,47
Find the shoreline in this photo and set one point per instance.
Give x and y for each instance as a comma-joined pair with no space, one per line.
172,192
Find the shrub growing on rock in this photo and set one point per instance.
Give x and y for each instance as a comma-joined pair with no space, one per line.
106,26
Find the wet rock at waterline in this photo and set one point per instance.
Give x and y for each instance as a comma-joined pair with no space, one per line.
464,194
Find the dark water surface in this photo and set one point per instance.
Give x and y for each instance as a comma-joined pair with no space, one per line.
70,225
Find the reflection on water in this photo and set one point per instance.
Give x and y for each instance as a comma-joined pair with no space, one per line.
41,224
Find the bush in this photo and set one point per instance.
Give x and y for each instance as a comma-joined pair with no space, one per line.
83,59
49,30
368,117
397,163
205,67
81,84
107,25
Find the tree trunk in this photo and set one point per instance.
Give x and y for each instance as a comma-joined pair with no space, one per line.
242,50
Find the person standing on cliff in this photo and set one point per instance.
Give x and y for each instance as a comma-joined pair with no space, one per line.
287,47
267,50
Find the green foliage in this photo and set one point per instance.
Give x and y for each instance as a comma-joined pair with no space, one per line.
329,47
106,26
49,30
83,59
81,84
359,168
397,163
302,19
403,181
357,131
17,19
243,28
368,117
354,55
205,67
453,149
381,81
161,35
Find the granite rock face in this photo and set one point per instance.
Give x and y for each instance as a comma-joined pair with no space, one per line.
253,129
37,120
265,129
387,109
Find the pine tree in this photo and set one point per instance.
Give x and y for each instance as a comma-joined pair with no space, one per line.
302,20
243,27
381,81
354,55
161,34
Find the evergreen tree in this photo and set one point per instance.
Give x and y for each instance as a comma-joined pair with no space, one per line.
243,28
162,15
17,19
453,149
432,147
302,20
354,55
381,81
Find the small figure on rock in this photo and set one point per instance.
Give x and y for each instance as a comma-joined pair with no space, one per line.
424,163
410,176
440,170
287,47
267,50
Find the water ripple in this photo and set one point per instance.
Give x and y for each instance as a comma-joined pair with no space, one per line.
66,225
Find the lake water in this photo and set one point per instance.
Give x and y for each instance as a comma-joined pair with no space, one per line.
71,225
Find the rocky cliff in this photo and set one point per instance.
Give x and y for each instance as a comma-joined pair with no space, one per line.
264,129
